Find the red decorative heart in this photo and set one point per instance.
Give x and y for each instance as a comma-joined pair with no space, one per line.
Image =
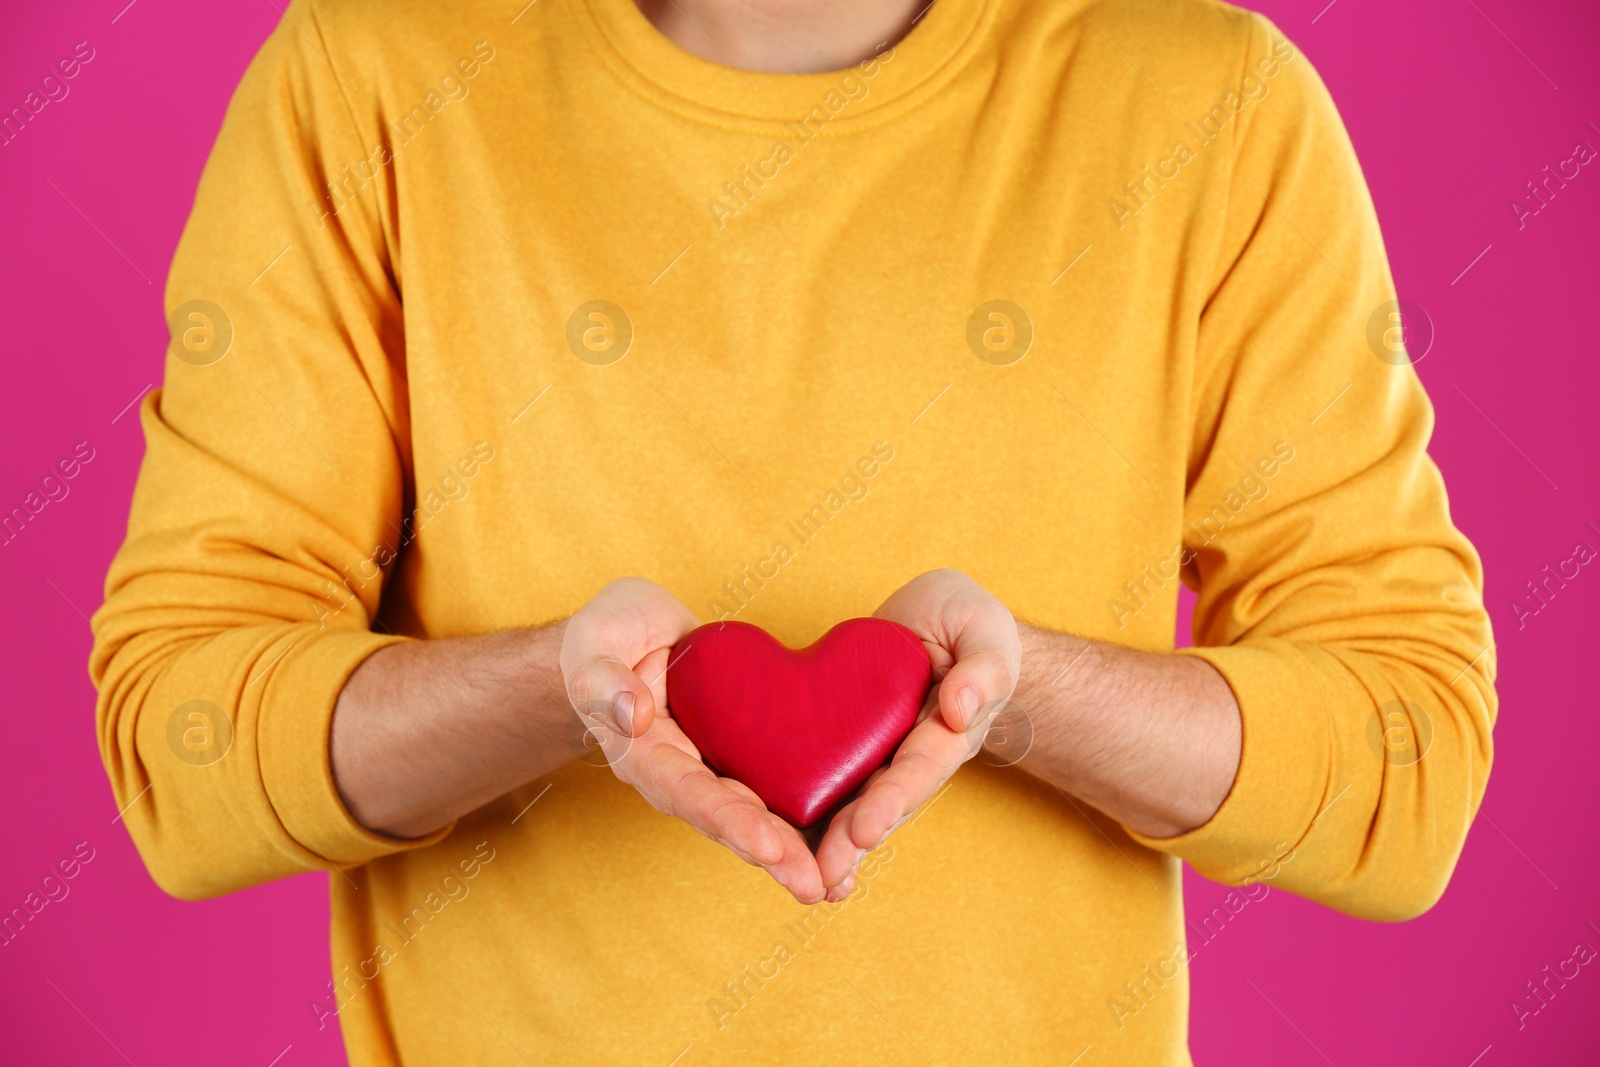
803,729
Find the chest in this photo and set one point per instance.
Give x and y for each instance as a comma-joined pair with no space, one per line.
688,347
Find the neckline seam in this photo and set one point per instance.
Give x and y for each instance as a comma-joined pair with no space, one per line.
656,94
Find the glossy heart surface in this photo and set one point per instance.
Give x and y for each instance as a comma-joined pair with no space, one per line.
805,728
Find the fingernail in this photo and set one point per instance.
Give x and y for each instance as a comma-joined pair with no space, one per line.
622,711
967,704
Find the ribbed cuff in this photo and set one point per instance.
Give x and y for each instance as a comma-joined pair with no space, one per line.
1285,758
294,721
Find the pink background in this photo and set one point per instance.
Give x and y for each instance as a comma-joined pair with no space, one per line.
1450,117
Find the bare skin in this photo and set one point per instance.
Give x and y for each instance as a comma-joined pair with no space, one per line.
782,36
1151,739
1110,723
426,731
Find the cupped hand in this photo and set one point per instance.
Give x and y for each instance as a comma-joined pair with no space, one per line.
972,639
614,658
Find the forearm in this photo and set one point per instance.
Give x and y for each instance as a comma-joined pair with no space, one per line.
1150,739
426,731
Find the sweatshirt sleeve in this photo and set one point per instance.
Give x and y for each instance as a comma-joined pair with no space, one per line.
269,501
1334,594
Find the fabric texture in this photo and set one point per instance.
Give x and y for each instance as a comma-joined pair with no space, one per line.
524,299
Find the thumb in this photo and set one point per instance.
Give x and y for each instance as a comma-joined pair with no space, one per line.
605,689
977,685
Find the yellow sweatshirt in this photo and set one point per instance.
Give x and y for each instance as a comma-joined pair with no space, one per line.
483,305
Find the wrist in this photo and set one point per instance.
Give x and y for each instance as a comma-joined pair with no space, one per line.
1151,739
1055,666
536,666
1047,702
537,692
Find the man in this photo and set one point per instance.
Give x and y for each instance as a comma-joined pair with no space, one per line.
799,311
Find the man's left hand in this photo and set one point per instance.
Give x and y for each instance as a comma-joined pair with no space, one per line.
972,640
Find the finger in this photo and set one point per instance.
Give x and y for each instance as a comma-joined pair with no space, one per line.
797,870
631,624
930,754
971,637
684,787
652,670
667,771
977,686
740,788
838,855
604,688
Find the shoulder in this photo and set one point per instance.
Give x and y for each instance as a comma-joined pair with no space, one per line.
389,20
1187,51
366,39
378,60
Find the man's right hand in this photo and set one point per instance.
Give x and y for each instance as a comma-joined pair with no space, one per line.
614,660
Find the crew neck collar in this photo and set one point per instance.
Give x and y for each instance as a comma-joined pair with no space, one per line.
711,92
